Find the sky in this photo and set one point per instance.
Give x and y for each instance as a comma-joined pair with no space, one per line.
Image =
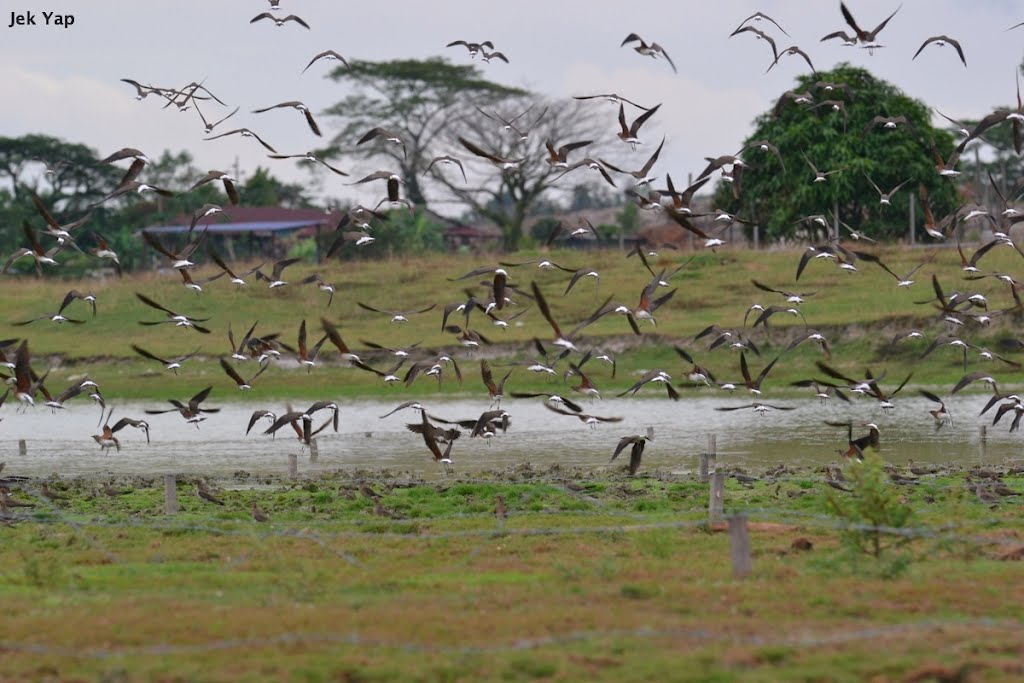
64,81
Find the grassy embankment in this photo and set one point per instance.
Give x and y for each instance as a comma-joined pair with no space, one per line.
859,312
425,585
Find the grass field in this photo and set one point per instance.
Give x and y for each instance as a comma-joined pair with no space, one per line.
858,312
377,578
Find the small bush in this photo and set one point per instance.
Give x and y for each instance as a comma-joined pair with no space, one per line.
871,511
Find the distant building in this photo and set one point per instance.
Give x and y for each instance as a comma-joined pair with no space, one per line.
655,227
255,230
461,236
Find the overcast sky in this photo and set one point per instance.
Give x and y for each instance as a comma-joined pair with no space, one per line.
64,81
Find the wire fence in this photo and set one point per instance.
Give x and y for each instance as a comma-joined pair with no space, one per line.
703,636
487,528
322,532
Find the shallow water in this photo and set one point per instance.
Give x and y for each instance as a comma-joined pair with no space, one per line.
62,443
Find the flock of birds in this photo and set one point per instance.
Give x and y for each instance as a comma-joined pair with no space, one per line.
495,295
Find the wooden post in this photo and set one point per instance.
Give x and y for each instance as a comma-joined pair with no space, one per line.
170,494
835,216
982,440
22,447
707,460
715,503
739,543
314,451
293,465
757,236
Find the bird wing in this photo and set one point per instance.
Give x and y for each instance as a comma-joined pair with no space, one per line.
479,152
623,442
851,21
640,120
152,304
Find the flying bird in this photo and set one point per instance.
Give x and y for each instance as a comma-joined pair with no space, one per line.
228,181
387,136
939,41
310,157
652,50
329,55
758,17
298,106
245,133
866,38
506,165
791,50
277,21
637,444
447,160
628,134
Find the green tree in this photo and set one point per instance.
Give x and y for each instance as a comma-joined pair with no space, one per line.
263,189
417,99
74,181
76,178
775,198
404,232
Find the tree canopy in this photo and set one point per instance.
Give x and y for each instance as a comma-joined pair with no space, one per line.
776,198
68,178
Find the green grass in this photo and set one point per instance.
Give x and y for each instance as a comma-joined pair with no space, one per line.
858,312
107,588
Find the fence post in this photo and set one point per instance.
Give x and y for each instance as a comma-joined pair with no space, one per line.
314,451
22,447
293,465
715,503
170,494
707,460
982,440
739,544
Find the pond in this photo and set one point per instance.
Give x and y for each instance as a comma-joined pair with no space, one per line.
63,443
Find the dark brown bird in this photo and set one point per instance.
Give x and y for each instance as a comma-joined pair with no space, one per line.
652,50
628,134
226,179
637,443
258,515
494,391
192,412
867,38
856,447
204,493
298,106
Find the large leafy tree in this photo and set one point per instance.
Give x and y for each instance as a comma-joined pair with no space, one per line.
776,198
75,177
74,181
417,99
263,189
